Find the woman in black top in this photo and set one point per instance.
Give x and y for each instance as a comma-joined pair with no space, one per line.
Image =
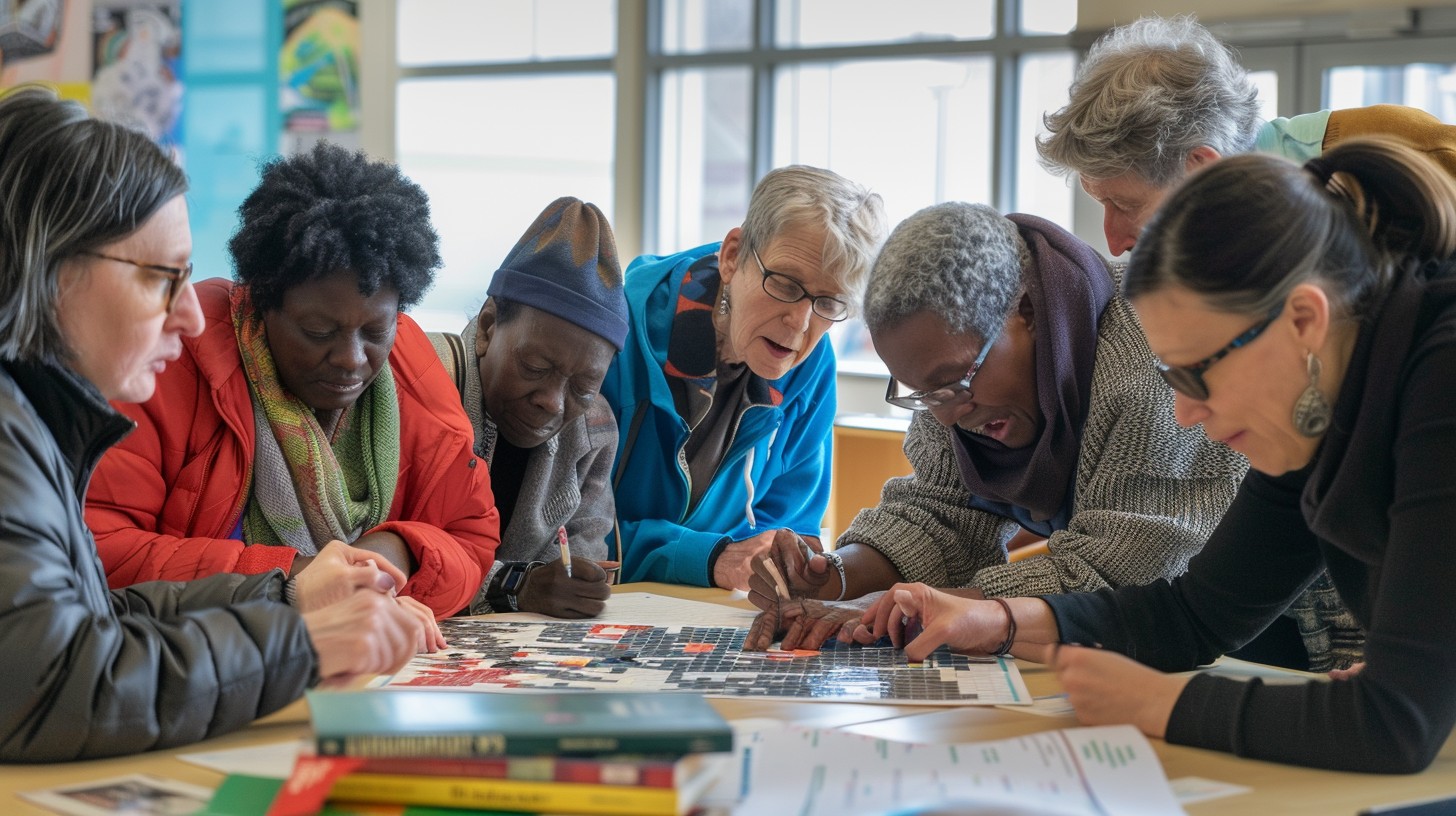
1336,282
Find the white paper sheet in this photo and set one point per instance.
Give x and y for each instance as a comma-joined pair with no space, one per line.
272,759
653,610
1109,769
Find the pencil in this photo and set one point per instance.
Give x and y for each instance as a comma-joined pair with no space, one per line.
778,578
565,550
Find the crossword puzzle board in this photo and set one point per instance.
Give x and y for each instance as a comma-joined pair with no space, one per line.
488,655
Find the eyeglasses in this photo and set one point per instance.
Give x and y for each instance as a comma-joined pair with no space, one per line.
176,278
1188,380
936,397
785,289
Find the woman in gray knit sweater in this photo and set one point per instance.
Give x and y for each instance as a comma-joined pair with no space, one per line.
1056,423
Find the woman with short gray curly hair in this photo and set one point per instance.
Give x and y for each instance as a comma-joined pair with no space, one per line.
725,392
1035,409
1161,97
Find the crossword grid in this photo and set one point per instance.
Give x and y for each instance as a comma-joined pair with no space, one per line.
490,655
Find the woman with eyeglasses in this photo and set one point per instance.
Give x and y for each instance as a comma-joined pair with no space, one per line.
724,394
94,304
1037,409
1306,317
310,409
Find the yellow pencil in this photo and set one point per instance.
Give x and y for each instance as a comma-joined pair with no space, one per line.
565,550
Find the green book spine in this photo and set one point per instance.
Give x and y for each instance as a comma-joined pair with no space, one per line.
459,746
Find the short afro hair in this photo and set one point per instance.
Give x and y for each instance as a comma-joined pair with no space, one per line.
328,210
963,262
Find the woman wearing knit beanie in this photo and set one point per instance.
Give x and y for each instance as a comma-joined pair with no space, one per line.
554,319
725,390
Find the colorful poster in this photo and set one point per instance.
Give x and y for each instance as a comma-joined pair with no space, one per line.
45,41
138,49
319,73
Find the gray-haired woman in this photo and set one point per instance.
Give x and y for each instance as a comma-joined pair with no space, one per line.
95,298
1036,408
1160,97
724,394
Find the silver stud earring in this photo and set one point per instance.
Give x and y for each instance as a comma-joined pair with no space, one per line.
1312,411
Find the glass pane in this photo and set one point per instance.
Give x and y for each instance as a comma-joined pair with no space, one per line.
1044,81
695,26
1048,16
1428,86
832,22
915,131
1268,84
488,177
705,172
452,32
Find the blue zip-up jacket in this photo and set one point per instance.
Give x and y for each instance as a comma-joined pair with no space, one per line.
661,539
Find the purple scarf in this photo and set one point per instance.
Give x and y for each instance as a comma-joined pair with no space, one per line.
1069,286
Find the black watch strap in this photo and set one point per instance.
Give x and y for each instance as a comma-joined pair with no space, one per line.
505,587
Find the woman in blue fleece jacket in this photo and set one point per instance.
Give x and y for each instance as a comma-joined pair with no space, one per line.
724,394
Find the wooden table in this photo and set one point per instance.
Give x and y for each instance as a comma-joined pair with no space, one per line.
1277,789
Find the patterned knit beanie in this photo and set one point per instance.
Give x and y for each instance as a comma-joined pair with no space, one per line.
566,265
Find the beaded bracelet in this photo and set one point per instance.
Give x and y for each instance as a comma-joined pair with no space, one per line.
1005,647
838,561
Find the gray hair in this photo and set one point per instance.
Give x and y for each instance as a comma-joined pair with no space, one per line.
68,184
963,262
1145,97
799,196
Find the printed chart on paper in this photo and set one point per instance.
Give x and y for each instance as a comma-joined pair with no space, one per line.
488,655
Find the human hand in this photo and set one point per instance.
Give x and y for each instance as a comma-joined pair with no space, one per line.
431,638
338,570
1106,688
365,633
735,564
803,623
804,570
1346,674
549,591
920,619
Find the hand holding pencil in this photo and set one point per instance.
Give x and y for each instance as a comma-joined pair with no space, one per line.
571,586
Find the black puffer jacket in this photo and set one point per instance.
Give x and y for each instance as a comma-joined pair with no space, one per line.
91,672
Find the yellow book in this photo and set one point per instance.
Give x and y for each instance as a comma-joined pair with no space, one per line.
519,794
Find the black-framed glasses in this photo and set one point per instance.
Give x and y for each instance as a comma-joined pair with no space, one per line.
176,277
1188,380
936,397
785,289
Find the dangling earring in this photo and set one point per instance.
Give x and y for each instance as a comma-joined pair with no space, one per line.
1312,410
723,302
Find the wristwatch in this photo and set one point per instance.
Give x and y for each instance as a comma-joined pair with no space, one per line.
508,583
837,561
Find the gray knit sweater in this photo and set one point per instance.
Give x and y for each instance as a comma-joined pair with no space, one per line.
567,482
1147,492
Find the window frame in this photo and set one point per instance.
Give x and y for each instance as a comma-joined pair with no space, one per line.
1005,47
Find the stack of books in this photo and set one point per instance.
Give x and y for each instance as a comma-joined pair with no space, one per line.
577,752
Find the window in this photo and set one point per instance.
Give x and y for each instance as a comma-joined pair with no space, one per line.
501,108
